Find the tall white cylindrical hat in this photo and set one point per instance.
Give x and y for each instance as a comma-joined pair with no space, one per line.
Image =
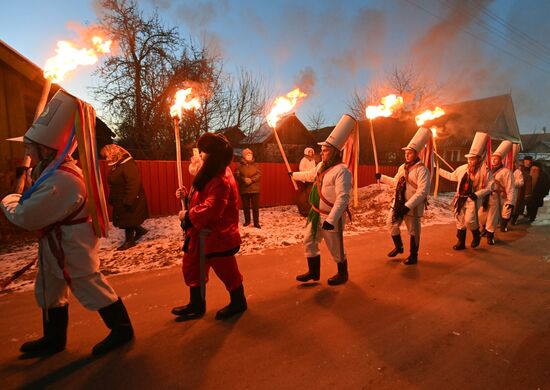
419,140
503,149
341,132
516,149
53,127
478,145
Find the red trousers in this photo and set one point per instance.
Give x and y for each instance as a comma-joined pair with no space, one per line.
225,267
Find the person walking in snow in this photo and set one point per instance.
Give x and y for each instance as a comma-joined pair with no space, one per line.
412,184
501,198
212,209
524,193
474,182
248,176
55,206
126,194
329,200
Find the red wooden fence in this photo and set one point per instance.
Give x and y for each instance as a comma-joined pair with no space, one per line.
160,182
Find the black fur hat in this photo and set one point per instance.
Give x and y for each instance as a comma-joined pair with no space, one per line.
220,154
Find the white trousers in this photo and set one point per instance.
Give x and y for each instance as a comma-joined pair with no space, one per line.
411,222
495,211
92,291
333,239
467,218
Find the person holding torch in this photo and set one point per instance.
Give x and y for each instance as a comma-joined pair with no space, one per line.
412,184
329,200
475,181
213,207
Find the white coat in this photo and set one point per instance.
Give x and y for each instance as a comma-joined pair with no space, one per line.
336,189
483,184
54,200
416,189
501,196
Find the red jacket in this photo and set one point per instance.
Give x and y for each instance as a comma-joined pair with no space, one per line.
215,208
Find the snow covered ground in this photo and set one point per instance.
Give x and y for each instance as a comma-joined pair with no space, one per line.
281,226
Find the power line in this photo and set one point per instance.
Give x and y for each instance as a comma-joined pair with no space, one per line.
512,28
518,43
480,38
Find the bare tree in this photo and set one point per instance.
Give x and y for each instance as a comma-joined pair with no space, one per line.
138,82
316,119
242,102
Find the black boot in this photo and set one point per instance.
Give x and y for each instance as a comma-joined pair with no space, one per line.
504,225
477,238
140,232
129,240
236,305
491,238
398,246
55,334
482,231
461,243
413,258
314,271
256,218
116,318
194,309
342,276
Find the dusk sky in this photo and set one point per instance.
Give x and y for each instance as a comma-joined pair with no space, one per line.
471,49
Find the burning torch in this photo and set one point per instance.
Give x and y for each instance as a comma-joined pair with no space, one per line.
281,106
420,120
385,109
183,102
68,58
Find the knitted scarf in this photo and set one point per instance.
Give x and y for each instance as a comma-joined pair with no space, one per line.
315,199
400,188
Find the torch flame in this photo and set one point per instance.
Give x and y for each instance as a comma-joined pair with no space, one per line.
282,105
388,105
70,57
183,104
429,115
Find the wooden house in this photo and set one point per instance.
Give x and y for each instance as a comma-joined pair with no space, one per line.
294,137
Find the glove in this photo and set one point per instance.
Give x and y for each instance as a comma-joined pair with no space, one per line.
20,171
248,180
404,210
327,226
378,176
290,174
181,193
473,196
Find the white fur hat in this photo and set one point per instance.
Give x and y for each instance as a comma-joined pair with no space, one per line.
339,136
419,140
309,152
478,145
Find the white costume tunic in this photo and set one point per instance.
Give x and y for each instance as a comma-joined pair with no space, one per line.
518,183
501,196
306,164
416,190
57,198
483,183
335,189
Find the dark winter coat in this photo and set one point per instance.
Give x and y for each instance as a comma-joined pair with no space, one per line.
126,194
215,208
248,169
540,189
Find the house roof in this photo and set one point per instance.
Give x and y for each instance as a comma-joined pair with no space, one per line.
530,141
322,134
494,115
289,129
